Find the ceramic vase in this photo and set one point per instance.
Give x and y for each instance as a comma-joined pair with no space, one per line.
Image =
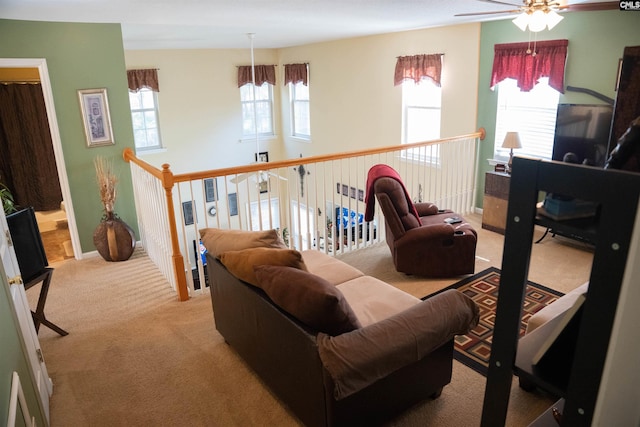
114,239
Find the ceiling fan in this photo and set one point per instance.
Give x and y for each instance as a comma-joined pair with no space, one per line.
530,6
540,14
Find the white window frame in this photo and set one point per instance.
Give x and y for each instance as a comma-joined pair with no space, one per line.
298,103
532,114
265,217
425,96
262,104
144,111
303,226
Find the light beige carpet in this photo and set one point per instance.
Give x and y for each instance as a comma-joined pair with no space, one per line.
135,356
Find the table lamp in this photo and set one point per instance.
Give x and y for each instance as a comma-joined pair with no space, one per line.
511,141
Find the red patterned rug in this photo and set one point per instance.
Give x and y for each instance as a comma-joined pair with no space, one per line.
474,349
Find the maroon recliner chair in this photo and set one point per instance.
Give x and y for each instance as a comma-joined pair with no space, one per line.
421,241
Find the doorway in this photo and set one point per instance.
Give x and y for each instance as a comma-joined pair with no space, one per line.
57,224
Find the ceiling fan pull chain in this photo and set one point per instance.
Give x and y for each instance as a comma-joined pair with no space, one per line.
530,51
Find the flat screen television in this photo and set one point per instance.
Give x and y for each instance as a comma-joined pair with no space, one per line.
583,129
27,243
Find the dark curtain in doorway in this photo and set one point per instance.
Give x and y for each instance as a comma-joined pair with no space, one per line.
27,160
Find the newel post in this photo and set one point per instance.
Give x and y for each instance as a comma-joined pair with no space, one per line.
178,260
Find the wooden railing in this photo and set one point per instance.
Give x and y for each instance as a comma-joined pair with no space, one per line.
315,202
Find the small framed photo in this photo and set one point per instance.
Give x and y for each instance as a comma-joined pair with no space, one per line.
262,157
360,195
233,204
187,212
211,189
96,119
263,186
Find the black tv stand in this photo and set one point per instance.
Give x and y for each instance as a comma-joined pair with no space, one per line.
581,229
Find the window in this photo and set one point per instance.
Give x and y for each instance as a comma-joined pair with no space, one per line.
144,113
265,217
421,107
302,225
263,114
532,114
300,118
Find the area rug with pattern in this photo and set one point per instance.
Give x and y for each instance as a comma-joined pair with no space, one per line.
474,349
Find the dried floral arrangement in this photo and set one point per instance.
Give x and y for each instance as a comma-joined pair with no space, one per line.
107,181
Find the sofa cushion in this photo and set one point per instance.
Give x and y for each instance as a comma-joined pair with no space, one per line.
241,263
218,241
329,268
309,298
373,300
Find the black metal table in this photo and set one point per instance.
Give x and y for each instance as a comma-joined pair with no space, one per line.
38,315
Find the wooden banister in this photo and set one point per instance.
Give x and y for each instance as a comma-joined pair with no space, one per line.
185,177
168,180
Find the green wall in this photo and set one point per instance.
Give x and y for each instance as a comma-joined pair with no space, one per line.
13,358
82,56
596,43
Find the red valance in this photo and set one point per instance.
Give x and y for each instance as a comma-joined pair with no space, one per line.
264,73
146,78
418,67
518,61
296,73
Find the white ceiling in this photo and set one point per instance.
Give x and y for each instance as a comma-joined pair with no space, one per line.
181,24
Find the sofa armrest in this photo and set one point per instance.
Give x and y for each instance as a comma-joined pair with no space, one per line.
359,358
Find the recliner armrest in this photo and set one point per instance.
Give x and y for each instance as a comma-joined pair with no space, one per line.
425,209
429,232
359,358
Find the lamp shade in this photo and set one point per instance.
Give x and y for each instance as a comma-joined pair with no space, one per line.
511,140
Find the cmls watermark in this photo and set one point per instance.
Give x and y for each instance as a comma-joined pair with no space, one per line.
630,5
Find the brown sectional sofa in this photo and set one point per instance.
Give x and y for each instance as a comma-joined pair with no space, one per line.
397,351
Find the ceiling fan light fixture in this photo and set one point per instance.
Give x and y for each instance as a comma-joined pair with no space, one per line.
553,18
537,21
522,21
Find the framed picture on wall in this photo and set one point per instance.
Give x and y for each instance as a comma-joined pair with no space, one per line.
187,212
96,119
233,204
211,189
262,157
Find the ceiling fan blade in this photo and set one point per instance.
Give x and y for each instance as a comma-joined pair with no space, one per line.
501,2
489,13
276,175
239,178
587,7
244,176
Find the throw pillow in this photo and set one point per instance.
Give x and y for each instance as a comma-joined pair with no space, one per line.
217,240
240,263
307,297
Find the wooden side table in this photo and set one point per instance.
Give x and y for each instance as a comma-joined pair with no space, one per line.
496,199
